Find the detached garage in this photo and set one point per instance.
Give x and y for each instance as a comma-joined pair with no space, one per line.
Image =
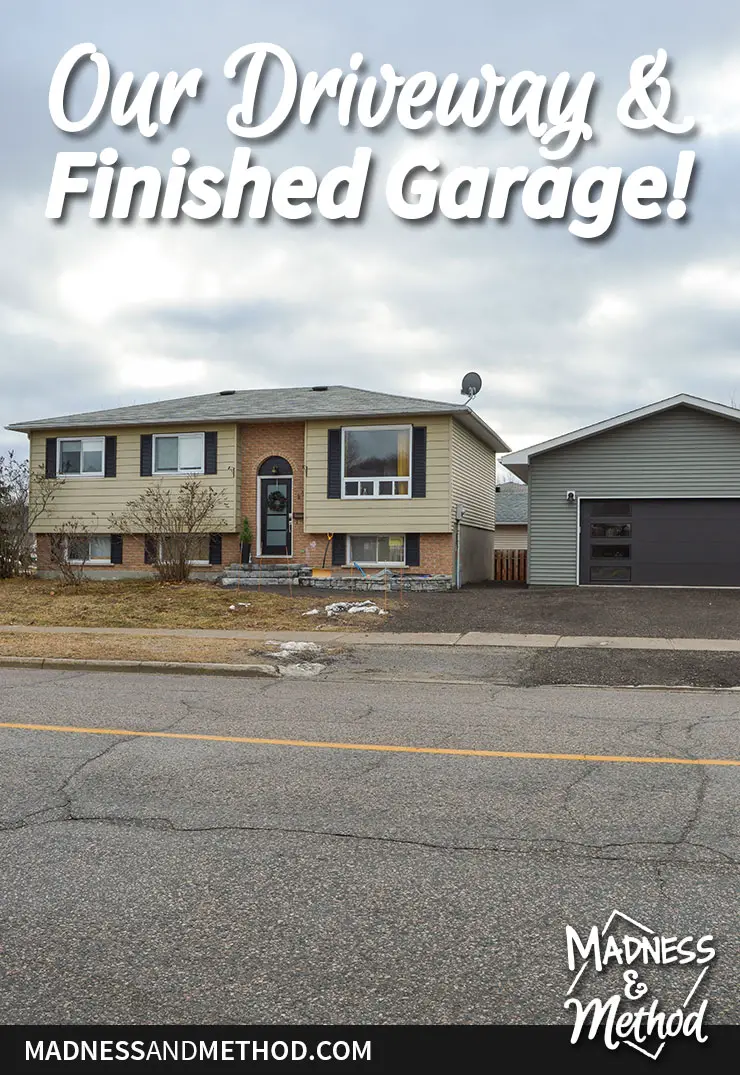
650,498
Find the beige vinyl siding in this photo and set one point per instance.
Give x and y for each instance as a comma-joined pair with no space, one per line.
429,514
90,501
510,536
679,453
473,478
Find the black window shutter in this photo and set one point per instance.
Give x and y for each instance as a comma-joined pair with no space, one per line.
116,548
334,468
150,548
110,456
339,550
419,461
51,457
211,455
145,456
214,547
413,557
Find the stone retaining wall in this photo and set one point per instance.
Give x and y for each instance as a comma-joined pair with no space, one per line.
434,583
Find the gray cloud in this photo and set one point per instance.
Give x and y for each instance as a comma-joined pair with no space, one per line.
564,332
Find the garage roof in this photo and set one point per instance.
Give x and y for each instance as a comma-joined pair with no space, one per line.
518,462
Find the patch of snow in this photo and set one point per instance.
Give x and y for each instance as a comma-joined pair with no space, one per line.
311,612
288,649
238,605
303,668
340,607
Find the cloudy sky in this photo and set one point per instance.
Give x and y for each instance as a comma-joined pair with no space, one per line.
563,331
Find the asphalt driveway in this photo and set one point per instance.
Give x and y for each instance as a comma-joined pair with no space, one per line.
571,610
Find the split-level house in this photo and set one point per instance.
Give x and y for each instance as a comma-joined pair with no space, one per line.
326,475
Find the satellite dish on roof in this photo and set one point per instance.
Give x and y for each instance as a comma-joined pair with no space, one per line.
471,385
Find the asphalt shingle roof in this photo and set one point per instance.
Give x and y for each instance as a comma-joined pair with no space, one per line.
265,405
511,504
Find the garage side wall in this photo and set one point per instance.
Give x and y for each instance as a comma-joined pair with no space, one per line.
680,453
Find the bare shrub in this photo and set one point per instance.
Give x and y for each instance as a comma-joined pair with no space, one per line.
69,550
25,494
172,524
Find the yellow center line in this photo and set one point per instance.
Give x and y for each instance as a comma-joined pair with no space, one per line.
466,752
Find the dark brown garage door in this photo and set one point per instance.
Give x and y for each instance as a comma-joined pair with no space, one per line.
660,542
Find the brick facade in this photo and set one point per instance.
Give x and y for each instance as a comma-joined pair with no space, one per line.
133,555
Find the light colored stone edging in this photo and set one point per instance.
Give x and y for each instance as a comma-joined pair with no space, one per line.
172,667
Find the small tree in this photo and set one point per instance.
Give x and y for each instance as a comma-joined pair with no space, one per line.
69,551
172,524
25,495
245,541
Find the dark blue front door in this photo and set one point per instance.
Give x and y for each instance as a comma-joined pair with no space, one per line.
275,514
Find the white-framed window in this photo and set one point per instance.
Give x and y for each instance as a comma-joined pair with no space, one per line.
376,550
90,549
376,462
81,457
198,545
178,453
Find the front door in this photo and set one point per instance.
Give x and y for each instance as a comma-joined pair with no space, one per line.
276,505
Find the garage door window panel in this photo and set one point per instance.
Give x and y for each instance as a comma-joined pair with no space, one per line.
610,552
611,530
610,574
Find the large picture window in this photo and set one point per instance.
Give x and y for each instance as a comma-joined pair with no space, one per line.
376,549
179,453
376,462
85,456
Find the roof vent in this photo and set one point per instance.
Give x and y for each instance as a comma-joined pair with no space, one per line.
320,388
228,392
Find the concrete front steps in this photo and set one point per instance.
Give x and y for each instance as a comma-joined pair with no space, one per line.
264,574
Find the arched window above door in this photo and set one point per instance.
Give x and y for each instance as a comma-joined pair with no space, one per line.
275,465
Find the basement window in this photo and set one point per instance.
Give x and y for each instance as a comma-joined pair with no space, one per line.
194,547
376,550
91,549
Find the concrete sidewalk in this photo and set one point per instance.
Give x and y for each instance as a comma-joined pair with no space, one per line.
390,638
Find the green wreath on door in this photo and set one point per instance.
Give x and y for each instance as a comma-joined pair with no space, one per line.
276,501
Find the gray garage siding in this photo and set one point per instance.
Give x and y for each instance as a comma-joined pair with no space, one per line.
682,452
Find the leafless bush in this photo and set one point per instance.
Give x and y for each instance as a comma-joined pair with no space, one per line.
172,524
69,550
25,494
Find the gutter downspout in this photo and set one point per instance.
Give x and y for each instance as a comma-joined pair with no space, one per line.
459,512
457,556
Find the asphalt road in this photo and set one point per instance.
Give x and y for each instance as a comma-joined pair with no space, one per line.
152,880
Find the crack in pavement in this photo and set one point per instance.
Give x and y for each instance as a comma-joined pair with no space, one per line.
63,790
512,846
569,790
702,787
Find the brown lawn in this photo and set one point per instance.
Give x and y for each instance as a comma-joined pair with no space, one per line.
142,648
135,603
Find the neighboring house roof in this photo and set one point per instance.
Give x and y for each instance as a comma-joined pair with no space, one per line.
518,462
271,404
511,504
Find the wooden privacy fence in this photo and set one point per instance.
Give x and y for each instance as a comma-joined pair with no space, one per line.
510,565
